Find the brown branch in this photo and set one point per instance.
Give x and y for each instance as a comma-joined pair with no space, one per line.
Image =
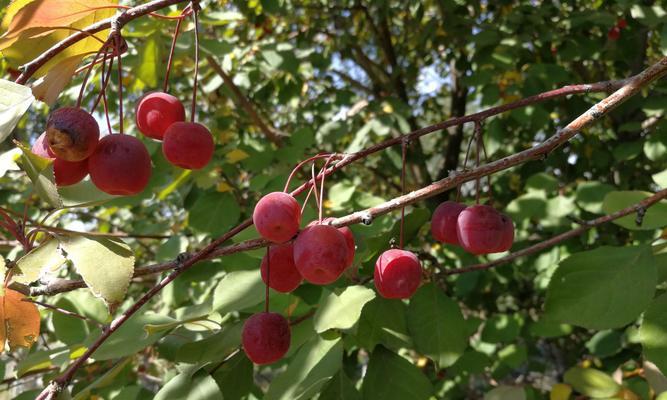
644,204
366,216
126,16
242,101
65,285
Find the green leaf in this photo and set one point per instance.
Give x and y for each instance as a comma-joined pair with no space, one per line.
198,386
605,343
238,290
149,61
506,393
542,181
655,217
603,288
660,178
340,388
234,377
653,333
437,326
45,258
83,194
649,16
392,377
214,213
106,265
342,311
69,330
502,328
590,195
213,348
40,172
130,338
310,369
15,100
105,379
591,382
383,321
8,161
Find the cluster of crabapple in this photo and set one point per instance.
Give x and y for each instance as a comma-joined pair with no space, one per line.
117,164
478,229
120,164
161,116
319,254
614,32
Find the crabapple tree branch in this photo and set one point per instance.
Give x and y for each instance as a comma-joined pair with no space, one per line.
585,226
126,16
625,88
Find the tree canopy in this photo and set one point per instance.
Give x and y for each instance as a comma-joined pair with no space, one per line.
550,112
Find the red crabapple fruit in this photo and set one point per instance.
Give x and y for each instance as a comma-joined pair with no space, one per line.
397,274
65,172
480,229
507,236
188,145
349,238
284,277
320,254
277,217
265,337
157,111
120,165
622,23
614,33
443,222
72,133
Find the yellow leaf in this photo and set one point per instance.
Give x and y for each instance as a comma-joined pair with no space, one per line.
327,204
560,391
48,87
21,321
236,155
223,187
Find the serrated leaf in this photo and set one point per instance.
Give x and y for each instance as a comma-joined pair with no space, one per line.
149,62
106,265
15,100
130,338
235,376
591,382
48,87
437,325
383,321
8,161
310,369
392,377
44,258
238,290
20,321
342,311
603,288
340,388
40,172
71,331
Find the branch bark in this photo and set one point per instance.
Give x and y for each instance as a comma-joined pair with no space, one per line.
657,70
126,16
536,248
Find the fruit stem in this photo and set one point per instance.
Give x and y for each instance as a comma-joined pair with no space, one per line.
268,278
299,165
317,197
104,83
465,166
104,80
478,137
195,12
165,86
404,150
324,175
488,177
117,40
89,71
310,191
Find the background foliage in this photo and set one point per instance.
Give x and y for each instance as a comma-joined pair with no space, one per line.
339,76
